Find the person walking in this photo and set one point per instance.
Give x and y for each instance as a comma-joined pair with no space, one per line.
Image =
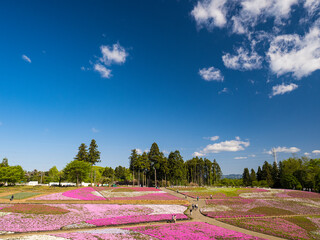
197,198
11,197
190,211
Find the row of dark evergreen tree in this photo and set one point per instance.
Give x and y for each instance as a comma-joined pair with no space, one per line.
293,173
153,168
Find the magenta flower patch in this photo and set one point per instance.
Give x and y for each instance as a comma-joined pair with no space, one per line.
190,231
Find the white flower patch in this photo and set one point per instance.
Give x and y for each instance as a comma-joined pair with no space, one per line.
37,237
97,194
218,208
108,231
166,209
269,194
4,213
5,232
305,202
78,225
109,194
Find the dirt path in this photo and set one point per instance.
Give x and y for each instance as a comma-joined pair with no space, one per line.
198,217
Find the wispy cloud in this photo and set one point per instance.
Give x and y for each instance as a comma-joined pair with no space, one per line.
240,158
213,138
210,13
116,54
104,72
198,154
284,150
243,60
282,89
316,152
139,151
211,74
294,54
26,58
224,90
94,130
226,146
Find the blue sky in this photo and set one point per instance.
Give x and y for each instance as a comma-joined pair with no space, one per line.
220,79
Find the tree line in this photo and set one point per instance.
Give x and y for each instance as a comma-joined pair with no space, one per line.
292,173
151,168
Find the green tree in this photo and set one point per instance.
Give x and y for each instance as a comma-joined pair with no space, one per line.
259,174
4,163
253,176
266,173
217,173
154,157
82,154
176,168
93,156
77,171
144,165
246,177
133,162
11,174
53,174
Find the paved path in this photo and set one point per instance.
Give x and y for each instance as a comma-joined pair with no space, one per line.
198,217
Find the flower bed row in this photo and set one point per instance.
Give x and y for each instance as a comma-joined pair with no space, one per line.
135,219
77,213
185,231
280,227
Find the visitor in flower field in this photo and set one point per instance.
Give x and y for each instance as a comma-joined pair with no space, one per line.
190,211
11,197
197,198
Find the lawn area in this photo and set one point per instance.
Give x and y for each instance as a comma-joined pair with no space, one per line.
21,195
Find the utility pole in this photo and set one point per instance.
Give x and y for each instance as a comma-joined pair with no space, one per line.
274,154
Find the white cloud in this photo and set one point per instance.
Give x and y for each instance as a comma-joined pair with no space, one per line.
214,138
224,90
312,6
295,54
240,157
306,154
210,13
94,130
252,155
104,72
285,150
116,54
282,89
26,58
198,154
253,12
243,60
226,146
316,152
139,151
211,74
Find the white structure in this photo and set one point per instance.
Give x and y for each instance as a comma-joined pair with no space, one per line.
33,183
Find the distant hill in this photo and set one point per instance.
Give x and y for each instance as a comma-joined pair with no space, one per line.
232,176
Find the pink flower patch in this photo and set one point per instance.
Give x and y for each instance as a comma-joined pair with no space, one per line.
134,219
83,194
191,231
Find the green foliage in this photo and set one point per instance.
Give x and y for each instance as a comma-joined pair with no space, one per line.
77,171
4,163
93,155
53,174
11,174
246,177
82,154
